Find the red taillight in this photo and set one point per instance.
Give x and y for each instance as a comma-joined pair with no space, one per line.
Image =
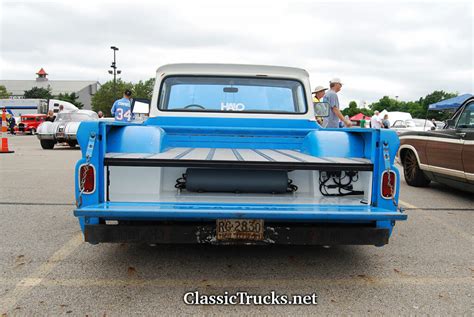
87,175
389,183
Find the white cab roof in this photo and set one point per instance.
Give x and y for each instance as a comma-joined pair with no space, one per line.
233,70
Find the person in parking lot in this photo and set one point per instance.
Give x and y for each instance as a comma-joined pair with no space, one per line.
100,114
331,98
362,122
385,122
50,116
375,122
318,95
122,108
11,124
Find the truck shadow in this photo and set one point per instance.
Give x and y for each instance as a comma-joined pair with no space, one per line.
234,263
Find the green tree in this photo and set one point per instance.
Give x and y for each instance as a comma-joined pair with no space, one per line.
105,97
144,89
72,98
352,110
386,103
418,108
434,97
3,92
38,93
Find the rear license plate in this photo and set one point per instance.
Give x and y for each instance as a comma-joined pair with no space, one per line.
239,229
60,135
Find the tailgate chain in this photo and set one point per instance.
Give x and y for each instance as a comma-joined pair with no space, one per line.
89,151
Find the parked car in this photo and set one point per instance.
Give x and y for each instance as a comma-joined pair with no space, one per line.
232,154
64,128
401,126
446,155
439,125
29,123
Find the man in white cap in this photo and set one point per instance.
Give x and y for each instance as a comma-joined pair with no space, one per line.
330,97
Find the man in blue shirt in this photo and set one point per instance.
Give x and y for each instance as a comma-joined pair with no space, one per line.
335,114
122,108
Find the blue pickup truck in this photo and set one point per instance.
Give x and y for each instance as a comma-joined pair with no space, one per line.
232,154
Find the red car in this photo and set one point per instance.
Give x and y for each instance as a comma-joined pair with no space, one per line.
29,123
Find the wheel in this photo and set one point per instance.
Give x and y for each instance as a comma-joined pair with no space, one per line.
414,176
72,143
32,131
47,144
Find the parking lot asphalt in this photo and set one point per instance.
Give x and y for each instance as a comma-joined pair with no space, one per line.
46,269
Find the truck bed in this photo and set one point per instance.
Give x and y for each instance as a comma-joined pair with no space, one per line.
237,158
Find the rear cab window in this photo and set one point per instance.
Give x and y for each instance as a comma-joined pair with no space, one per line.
232,94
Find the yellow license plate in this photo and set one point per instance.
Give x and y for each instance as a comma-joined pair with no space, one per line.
239,229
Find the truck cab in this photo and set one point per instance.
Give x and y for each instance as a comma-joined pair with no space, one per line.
232,154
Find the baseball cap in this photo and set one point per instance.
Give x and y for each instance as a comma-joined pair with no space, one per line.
318,89
127,92
335,81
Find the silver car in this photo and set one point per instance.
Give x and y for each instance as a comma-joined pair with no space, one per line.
401,126
64,128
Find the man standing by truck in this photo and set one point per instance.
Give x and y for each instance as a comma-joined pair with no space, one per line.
330,97
122,108
318,95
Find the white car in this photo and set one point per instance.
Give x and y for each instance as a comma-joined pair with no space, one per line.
401,126
64,128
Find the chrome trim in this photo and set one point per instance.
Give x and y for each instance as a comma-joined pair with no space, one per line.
411,147
443,170
430,138
79,180
381,184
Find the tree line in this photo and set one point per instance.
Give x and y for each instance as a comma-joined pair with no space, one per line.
107,94
417,108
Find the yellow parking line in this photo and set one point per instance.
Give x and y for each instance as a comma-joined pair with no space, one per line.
406,205
253,283
24,286
431,216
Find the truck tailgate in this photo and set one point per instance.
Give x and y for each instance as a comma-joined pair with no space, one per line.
212,211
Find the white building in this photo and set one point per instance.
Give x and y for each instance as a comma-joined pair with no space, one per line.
85,89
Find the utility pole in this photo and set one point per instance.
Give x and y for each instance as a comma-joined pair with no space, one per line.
114,70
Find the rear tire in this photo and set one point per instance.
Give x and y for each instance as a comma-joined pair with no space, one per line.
47,144
414,176
72,143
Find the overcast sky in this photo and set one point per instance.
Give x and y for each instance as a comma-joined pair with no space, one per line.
377,48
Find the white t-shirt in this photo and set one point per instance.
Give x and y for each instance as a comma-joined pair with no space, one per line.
375,122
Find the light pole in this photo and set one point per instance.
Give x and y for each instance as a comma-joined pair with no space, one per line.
114,70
